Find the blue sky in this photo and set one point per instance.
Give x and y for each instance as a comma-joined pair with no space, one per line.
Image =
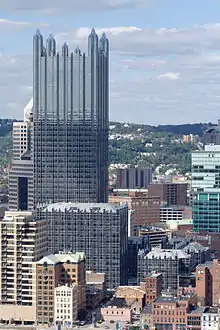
165,54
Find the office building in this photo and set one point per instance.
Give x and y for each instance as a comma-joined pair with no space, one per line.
170,263
208,283
135,244
134,177
22,243
170,194
174,264
99,230
206,189
55,271
156,236
70,131
21,172
65,305
146,211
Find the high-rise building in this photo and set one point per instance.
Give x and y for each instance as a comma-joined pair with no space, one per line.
206,189
134,177
21,173
22,243
170,193
99,230
70,131
54,271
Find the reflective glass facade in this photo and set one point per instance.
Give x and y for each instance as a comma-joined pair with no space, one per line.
206,189
70,131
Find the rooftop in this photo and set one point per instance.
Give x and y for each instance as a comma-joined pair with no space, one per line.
117,302
54,259
211,310
84,207
165,253
153,274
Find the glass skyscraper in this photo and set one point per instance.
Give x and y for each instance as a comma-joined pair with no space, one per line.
206,189
70,121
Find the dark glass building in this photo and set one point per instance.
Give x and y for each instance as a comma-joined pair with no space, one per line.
70,130
100,230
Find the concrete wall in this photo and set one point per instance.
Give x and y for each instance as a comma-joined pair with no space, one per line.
18,313
116,314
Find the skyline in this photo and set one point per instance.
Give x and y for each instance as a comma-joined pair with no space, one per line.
164,62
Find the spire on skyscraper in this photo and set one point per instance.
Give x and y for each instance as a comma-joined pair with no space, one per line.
51,45
65,49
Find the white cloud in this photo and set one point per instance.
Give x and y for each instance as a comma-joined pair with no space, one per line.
156,42
54,7
7,23
169,76
145,64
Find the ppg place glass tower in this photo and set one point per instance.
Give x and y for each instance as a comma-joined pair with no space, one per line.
70,124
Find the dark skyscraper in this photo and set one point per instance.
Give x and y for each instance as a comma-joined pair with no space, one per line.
70,126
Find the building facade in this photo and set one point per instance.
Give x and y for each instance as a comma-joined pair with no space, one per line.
170,263
99,230
170,193
21,172
210,319
208,283
153,286
131,178
22,243
206,189
65,305
70,122
55,271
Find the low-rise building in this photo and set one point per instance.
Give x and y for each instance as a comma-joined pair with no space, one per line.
171,313
210,319
95,289
133,296
117,310
65,304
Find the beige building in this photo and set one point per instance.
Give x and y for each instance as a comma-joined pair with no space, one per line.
134,297
65,304
58,270
22,243
117,310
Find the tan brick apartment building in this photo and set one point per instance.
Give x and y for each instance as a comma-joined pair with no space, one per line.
56,270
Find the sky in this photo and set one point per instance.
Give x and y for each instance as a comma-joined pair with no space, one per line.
164,60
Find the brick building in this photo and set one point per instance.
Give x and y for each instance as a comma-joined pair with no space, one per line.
134,297
146,210
153,286
54,271
169,193
169,312
208,283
